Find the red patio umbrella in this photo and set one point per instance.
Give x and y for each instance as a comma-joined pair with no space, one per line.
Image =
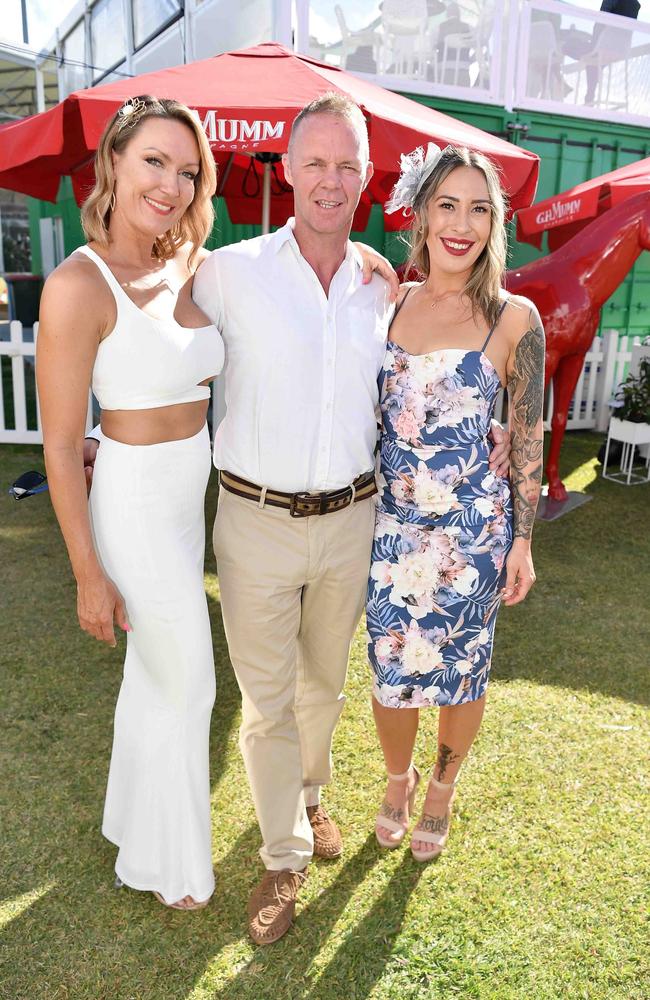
564,215
247,101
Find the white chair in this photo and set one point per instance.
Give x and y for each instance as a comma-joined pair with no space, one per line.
544,61
352,40
405,31
456,60
464,47
611,46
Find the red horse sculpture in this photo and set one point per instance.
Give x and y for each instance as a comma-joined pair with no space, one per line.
569,288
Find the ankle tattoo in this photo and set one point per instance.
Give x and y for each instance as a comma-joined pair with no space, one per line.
434,824
446,756
390,812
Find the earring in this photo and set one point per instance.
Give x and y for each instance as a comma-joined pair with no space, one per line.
112,201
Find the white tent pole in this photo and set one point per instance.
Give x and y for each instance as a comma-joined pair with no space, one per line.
266,199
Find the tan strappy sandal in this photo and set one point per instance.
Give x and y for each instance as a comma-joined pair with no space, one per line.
435,831
393,819
179,906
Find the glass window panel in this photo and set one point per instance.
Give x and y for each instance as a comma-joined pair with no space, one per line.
108,33
431,43
74,59
149,15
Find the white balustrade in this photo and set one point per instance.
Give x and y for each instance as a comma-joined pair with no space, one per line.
531,54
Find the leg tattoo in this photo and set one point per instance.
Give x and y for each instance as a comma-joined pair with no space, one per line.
446,756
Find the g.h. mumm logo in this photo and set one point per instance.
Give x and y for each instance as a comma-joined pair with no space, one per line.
558,212
239,131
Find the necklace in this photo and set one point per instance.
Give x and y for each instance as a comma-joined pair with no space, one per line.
437,299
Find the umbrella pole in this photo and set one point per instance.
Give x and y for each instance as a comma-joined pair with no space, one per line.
266,199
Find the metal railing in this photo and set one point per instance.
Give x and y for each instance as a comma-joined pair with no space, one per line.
531,54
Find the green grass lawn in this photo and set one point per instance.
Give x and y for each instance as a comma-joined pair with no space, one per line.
540,894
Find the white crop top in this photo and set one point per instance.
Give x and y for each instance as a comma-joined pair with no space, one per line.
146,362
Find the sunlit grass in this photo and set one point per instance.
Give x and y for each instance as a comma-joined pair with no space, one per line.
541,895
12,908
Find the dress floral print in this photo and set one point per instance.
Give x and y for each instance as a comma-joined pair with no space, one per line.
442,533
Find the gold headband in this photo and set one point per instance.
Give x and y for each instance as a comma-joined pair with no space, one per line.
130,113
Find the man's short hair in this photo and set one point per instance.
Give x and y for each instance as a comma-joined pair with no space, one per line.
333,103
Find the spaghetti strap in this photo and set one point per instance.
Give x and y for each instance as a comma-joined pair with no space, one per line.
494,326
401,303
105,270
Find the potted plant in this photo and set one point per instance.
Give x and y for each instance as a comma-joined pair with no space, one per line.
631,424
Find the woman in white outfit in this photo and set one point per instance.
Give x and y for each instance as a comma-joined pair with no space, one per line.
118,315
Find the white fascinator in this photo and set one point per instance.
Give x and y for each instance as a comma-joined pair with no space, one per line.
415,167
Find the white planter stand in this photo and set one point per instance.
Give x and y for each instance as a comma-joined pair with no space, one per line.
631,435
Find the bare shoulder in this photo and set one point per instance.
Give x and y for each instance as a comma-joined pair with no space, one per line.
404,289
520,315
185,252
77,281
76,295
520,319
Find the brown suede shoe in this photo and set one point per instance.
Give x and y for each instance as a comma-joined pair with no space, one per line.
327,836
272,905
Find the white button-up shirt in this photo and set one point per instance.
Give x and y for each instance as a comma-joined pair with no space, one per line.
301,366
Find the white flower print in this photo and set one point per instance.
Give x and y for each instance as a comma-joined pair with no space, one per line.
484,506
419,654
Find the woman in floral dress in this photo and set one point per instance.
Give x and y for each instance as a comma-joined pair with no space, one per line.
452,539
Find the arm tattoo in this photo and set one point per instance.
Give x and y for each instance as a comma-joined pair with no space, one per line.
526,394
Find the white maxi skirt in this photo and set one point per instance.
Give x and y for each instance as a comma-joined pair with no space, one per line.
146,507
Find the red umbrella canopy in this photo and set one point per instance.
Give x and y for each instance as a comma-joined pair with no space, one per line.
564,215
246,101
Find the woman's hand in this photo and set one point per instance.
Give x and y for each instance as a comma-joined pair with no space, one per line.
520,574
373,261
99,605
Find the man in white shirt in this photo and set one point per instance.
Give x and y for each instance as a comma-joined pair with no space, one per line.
305,340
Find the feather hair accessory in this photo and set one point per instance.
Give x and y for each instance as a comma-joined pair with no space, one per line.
130,113
415,167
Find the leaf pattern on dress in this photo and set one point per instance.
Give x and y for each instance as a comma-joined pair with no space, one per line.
443,530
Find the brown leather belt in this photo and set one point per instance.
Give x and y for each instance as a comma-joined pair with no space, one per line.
302,504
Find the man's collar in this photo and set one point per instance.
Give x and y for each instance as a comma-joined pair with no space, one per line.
285,235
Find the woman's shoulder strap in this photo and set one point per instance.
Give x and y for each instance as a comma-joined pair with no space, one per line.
402,300
494,325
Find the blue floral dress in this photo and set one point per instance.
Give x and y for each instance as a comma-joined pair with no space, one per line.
442,532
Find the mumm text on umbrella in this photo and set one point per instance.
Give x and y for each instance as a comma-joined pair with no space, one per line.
238,130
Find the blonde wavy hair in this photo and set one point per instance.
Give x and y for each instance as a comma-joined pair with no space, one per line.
196,224
486,279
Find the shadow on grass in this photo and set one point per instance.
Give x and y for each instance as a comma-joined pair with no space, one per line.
80,937
83,938
362,957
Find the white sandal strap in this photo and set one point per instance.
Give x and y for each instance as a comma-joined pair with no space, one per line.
389,824
429,838
400,777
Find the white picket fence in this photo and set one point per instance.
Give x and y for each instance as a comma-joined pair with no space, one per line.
14,419
604,368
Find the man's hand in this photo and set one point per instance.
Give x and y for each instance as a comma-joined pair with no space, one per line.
500,455
90,454
373,261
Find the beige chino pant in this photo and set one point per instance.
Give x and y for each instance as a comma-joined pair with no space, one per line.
292,592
